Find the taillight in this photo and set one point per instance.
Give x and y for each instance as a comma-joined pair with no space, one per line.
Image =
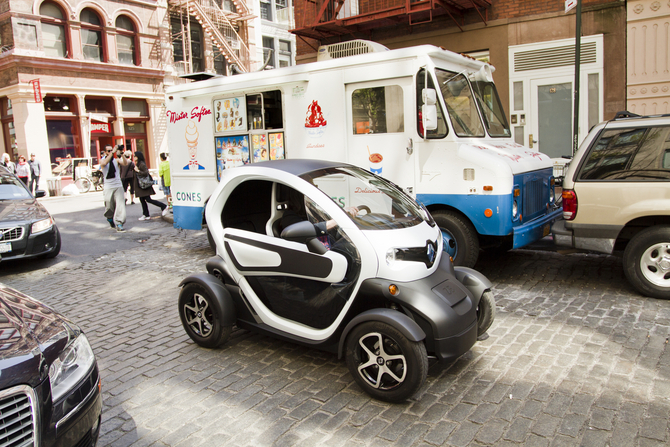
569,204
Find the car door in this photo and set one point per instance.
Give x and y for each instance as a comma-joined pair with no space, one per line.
283,280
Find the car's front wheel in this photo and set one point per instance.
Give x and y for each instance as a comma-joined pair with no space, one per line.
486,312
386,364
201,317
647,262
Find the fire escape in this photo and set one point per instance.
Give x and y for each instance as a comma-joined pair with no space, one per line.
224,23
326,19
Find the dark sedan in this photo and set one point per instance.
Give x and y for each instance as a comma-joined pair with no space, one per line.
26,228
49,382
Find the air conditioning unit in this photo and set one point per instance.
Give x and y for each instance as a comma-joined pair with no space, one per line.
346,49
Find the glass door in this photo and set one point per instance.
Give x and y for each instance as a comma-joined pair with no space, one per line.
551,100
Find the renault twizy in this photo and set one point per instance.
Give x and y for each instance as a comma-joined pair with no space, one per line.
334,257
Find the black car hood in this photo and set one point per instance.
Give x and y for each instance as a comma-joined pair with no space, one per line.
31,337
23,210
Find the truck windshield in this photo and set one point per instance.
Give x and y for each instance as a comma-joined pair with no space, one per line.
489,103
379,205
460,103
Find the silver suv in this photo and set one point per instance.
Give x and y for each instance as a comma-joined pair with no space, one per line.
616,198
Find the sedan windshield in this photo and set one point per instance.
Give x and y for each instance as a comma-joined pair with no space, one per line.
372,202
11,188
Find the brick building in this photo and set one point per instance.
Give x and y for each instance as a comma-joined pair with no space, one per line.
529,42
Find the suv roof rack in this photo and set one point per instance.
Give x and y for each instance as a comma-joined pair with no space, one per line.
626,114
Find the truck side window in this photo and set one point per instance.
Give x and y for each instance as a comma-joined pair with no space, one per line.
378,110
460,104
442,129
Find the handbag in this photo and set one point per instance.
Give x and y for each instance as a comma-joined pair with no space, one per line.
145,182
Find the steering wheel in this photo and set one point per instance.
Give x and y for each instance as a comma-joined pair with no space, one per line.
364,208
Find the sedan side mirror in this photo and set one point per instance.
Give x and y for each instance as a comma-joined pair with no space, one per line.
304,232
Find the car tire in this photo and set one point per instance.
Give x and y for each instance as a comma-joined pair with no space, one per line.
486,313
371,341
459,236
646,262
201,316
56,250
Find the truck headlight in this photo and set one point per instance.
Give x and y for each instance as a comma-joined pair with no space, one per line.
41,225
70,367
515,209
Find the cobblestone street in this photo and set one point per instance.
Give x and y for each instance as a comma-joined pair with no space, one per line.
575,357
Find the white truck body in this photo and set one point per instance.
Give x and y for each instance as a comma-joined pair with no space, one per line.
370,110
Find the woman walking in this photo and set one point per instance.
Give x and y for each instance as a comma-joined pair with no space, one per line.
23,170
144,195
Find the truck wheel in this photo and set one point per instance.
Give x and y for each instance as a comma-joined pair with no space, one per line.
486,313
201,318
384,362
459,238
646,262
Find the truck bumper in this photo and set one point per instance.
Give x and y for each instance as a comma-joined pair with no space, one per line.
536,229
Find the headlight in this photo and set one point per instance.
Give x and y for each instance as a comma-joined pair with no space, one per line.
515,209
41,225
70,367
390,256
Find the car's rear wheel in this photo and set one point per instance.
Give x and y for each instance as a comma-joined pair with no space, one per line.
486,312
383,362
647,262
201,317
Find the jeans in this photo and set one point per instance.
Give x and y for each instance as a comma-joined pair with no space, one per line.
36,182
115,205
145,207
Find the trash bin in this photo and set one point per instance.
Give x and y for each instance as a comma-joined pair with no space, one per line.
54,186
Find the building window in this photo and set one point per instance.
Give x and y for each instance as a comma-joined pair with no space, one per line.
284,53
54,37
266,10
179,30
219,61
92,36
268,51
281,4
126,39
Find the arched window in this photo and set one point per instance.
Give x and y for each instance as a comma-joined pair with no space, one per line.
92,36
54,30
126,41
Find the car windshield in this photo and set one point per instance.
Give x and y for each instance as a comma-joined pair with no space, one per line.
489,103
379,204
460,104
11,188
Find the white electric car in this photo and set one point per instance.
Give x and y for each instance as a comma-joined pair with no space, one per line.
334,257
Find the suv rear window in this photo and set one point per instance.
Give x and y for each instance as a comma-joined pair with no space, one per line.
640,154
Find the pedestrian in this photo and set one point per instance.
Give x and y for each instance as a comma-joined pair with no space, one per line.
112,191
35,171
164,172
127,173
144,194
7,163
23,170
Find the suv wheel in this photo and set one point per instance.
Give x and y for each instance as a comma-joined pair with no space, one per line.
647,262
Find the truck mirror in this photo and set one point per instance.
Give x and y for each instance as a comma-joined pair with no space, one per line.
429,96
429,116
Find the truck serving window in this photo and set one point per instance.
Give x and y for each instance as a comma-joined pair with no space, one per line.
264,111
378,110
489,103
442,129
460,104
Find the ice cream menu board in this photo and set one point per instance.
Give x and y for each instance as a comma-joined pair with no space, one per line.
259,147
276,145
230,115
231,152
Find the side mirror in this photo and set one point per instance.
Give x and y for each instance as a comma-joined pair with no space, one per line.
305,233
429,108
40,193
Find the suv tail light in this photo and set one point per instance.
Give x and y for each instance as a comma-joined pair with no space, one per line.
569,204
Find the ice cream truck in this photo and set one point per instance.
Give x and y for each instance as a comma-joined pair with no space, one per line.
425,118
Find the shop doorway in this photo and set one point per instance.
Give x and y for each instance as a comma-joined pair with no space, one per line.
139,144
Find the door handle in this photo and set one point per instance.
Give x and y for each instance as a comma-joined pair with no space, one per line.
531,140
410,146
